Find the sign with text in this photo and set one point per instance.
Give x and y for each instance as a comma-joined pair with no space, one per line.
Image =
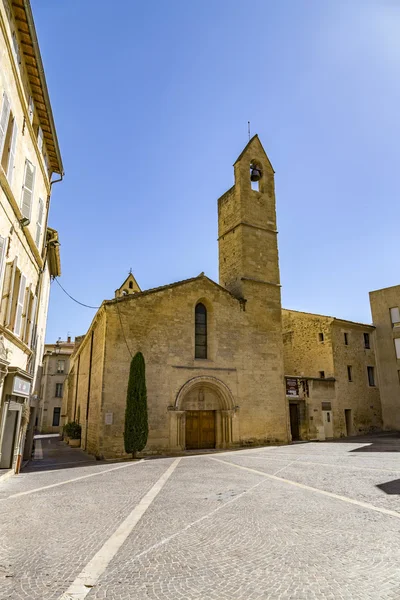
292,387
21,387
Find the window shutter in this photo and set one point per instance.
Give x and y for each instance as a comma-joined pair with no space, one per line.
10,169
16,48
31,108
27,189
40,138
10,291
39,222
32,321
20,305
2,253
5,114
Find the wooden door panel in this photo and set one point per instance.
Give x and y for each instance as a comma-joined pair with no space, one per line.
200,429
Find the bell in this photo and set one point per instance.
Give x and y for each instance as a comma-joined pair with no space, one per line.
255,174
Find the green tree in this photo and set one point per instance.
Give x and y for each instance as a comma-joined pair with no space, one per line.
136,425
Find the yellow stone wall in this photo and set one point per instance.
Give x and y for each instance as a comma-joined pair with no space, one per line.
357,395
388,364
305,355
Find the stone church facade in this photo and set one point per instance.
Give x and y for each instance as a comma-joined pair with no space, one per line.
213,352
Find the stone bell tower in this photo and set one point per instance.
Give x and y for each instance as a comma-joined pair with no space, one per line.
247,235
249,268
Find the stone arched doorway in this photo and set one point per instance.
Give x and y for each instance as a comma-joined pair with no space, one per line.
203,415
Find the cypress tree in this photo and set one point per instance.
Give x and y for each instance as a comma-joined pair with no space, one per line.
136,426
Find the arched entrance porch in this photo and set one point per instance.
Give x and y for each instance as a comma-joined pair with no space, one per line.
203,415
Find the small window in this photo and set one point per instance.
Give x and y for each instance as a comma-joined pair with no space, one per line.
328,417
322,374
59,390
366,341
200,331
394,315
131,285
346,339
371,376
349,373
321,337
60,366
56,416
397,347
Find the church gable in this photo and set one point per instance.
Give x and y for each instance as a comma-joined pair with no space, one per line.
129,286
201,282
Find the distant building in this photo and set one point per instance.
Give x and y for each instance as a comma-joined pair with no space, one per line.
55,370
29,249
385,308
331,378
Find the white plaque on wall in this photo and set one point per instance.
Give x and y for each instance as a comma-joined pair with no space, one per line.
109,418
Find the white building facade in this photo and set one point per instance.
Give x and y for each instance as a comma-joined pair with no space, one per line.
29,249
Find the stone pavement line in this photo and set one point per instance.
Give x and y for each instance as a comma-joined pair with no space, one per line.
53,485
320,464
286,466
90,574
190,525
309,488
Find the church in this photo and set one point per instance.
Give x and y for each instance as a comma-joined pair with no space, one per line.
213,351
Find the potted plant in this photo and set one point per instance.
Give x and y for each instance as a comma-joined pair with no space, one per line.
72,431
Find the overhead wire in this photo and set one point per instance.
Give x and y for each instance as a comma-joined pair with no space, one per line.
72,298
96,308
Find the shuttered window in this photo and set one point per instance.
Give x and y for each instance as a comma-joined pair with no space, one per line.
200,331
4,117
10,290
2,254
20,305
17,53
11,159
40,138
394,314
39,222
27,189
31,108
32,318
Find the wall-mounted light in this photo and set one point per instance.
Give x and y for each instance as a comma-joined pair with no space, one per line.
24,221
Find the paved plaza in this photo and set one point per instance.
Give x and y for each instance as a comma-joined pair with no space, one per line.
306,521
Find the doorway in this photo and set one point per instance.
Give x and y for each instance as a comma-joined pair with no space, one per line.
349,421
294,421
200,429
10,430
328,424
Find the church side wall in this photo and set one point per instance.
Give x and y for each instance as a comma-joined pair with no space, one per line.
90,354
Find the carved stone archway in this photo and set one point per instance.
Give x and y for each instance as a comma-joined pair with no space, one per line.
204,393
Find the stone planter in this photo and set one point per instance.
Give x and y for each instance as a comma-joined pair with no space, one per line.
74,443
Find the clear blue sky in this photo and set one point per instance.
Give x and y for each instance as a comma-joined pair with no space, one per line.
151,102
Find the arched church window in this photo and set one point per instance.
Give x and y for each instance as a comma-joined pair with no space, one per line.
130,285
200,331
124,292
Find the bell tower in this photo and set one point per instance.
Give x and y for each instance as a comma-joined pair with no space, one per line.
249,268
247,234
